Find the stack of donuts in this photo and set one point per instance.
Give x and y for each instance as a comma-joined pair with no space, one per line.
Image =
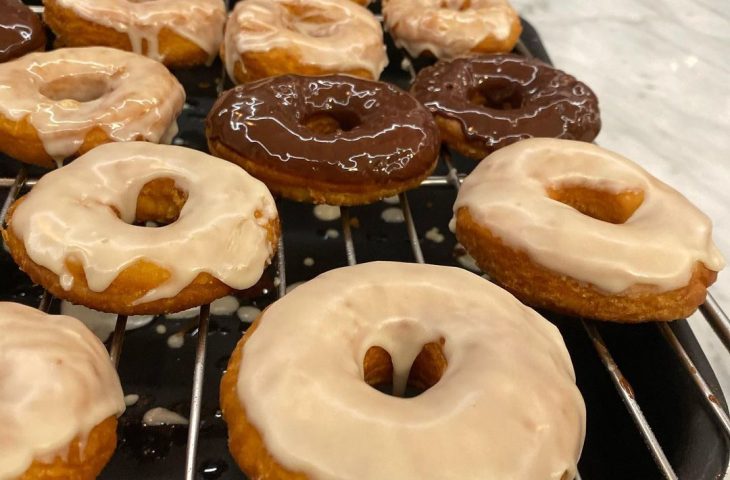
555,221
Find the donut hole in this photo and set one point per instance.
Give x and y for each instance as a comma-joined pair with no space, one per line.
80,88
457,5
602,205
331,122
425,372
159,201
498,94
309,21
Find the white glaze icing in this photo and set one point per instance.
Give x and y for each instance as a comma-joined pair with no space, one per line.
70,214
183,314
331,233
308,262
336,35
658,246
100,323
200,21
464,259
443,28
326,213
224,306
138,98
131,399
57,384
248,313
392,215
434,235
161,329
506,406
176,340
158,416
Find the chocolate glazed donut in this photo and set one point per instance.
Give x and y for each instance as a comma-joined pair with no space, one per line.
485,103
21,31
333,139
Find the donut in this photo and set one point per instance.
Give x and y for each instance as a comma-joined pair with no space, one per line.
21,31
334,139
59,397
500,399
266,38
178,33
484,103
448,29
60,104
571,227
74,233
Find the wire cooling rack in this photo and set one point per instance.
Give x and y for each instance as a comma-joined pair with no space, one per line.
450,178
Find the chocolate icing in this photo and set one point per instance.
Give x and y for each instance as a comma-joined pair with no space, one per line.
384,132
21,31
500,99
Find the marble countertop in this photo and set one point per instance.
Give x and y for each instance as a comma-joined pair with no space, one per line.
661,73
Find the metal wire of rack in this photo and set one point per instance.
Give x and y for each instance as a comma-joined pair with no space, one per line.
710,310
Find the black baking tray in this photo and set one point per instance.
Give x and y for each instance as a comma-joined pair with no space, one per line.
162,376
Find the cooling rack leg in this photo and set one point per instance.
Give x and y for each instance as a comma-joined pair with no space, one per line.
196,399
627,396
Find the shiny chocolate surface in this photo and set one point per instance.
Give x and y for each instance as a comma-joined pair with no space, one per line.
333,128
500,99
21,31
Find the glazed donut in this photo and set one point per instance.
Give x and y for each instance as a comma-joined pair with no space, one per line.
59,397
178,33
334,139
574,228
74,234
452,28
265,38
21,31
60,104
494,372
484,103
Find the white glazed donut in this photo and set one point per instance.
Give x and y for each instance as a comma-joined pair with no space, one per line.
506,405
58,385
452,28
58,104
73,232
175,32
265,38
530,196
